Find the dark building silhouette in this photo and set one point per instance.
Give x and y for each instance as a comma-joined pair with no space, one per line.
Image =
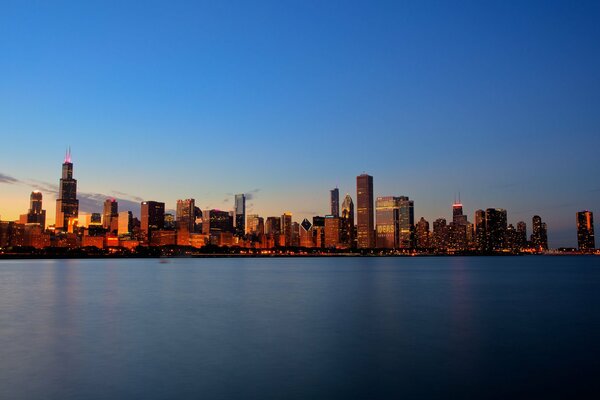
423,236
440,234
152,218
240,214
111,211
585,231
365,223
67,205
347,222
36,215
480,231
335,202
495,225
539,235
521,240
286,228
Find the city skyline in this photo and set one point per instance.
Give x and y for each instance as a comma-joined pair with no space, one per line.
382,222
495,101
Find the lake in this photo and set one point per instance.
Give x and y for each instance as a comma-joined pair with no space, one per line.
300,328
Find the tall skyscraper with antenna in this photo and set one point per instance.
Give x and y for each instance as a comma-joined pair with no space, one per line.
67,205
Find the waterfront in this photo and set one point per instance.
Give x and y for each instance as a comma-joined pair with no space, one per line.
355,327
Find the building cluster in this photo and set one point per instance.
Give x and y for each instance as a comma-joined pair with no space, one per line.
385,223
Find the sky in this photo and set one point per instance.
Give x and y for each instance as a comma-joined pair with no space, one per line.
284,100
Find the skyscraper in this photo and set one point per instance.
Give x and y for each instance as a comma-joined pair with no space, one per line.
480,231
111,210
335,202
406,222
332,231
364,217
240,214
153,218
67,205
125,219
306,234
387,212
539,236
36,215
521,235
422,234
495,225
347,222
186,215
440,234
286,228
585,231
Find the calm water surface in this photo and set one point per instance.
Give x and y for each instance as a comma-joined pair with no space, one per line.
294,328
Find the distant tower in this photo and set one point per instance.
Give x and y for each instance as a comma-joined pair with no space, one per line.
67,205
240,214
539,236
153,218
585,230
495,225
36,215
365,220
335,202
347,221
186,215
111,211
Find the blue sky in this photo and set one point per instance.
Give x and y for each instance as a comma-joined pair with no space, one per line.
287,99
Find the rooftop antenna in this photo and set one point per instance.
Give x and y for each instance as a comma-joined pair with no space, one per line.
68,155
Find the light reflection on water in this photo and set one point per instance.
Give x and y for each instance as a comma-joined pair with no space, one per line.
298,328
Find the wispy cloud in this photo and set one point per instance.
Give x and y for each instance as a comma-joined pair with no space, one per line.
127,196
8,179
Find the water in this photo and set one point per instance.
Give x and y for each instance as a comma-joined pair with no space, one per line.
296,328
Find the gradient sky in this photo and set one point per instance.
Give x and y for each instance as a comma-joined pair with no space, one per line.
287,99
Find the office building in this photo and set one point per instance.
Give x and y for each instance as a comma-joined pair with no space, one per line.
240,215
347,222
365,222
495,225
67,205
153,218
36,215
585,231
335,202
186,215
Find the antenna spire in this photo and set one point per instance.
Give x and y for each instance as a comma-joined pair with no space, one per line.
68,155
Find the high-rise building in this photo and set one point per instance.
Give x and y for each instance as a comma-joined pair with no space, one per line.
273,226
153,218
216,222
406,222
67,205
319,231
332,231
440,234
255,225
36,215
495,225
286,228
480,231
306,234
539,235
335,202
240,214
125,223
347,222
521,240
111,210
387,216
423,236
169,221
186,215
364,212
585,231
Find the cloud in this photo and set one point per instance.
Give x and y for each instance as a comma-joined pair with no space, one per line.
8,179
127,196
